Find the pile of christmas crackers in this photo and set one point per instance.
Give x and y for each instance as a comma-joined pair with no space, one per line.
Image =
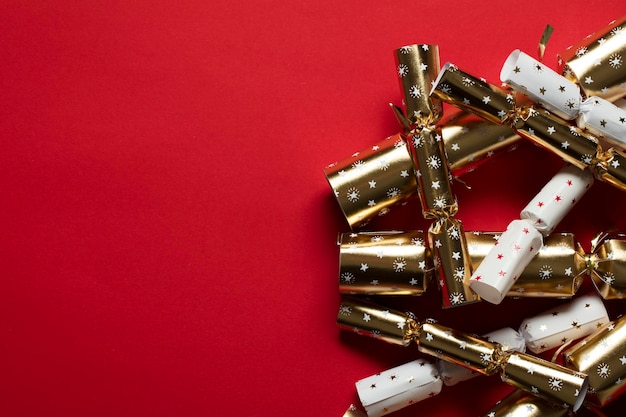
578,113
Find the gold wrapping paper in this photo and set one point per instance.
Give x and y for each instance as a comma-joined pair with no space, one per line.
545,379
597,62
471,141
384,263
603,357
606,264
452,260
460,348
474,95
542,378
368,183
417,67
371,320
433,175
520,403
553,272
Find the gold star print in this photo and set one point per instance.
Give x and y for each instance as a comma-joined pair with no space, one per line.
622,120
603,123
587,305
556,313
576,325
373,386
562,88
392,377
516,70
542,91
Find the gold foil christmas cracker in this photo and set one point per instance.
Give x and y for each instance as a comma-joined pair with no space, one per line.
542,378
603,357
538,125
384,263
520,403
400,263
596,63
563,98
445,235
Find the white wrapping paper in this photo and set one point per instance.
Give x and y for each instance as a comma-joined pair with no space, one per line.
509,339
557,198
398,387
504,263
574,320
562,97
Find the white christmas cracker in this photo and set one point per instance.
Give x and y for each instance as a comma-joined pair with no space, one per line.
562,97
398,387
555,327
523,238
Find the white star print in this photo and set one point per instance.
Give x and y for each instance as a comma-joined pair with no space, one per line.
364,267
486,99
372,184
366,317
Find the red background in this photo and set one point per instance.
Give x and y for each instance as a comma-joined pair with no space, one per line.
167,237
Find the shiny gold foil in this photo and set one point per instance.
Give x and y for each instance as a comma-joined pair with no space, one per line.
383,263
417,67
451,258
606,264
520,403
597,62
371,320
435,190
474,95
357,181
553,272
603,357
471,141
545,379
460,348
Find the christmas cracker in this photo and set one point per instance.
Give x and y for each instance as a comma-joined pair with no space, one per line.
547,380
418,380
499,106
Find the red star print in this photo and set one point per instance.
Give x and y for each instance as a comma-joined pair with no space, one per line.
569,183
539,221
558,198
525,230
540,204
500,256
531,249
517,247
502,273
477,278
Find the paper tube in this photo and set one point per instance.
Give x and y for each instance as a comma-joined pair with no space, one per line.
546,210
398,387
568,322
504,263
